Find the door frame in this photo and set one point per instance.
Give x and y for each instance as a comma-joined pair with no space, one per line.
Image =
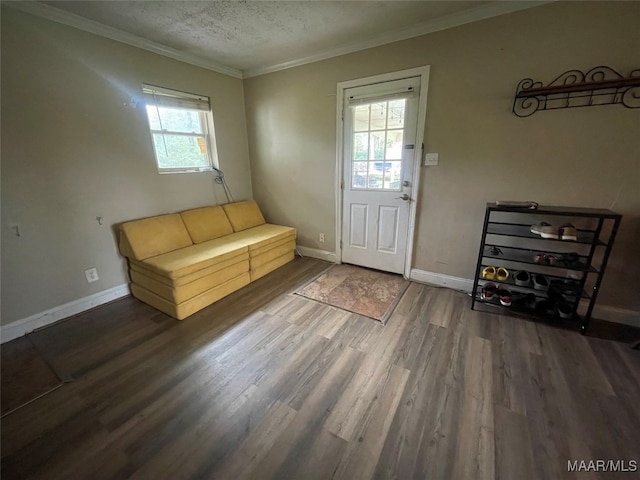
423,73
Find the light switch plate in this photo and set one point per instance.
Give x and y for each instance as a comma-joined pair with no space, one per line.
430,159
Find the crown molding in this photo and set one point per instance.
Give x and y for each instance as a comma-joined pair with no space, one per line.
76,21
482,12
493,9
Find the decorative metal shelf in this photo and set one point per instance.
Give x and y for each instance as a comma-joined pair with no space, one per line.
599,86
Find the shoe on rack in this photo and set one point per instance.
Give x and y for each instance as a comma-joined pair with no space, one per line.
571,287
530,301
502,274
545,230
565,287
568,232
540,282
545,306
546,259
505,296
572,260
489,273
488,291
522,278
565,310
517,204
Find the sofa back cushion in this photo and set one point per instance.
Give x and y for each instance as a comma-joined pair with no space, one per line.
148,237
206,223
243,215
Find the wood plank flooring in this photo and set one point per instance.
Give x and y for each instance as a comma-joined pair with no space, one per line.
268,385
27,374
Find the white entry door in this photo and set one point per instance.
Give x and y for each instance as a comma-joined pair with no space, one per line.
380,148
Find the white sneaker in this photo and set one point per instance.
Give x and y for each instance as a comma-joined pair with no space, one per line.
568,232
545,230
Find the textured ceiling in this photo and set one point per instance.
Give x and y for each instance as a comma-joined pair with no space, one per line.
251,35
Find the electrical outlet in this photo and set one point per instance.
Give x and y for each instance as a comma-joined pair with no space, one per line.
321,237
430,159
92,275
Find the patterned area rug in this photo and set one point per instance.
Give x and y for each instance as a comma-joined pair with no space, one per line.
359,290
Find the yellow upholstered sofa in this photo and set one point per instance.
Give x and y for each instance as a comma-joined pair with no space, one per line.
179,263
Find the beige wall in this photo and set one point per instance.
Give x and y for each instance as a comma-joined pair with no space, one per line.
578,157
71,151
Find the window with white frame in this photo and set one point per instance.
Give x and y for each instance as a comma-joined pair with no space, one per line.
181,127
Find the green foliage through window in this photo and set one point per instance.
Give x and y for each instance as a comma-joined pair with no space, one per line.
181,130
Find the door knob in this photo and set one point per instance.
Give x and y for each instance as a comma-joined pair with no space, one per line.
404,197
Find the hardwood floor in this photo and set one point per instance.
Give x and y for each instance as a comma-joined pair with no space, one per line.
264,384
26,373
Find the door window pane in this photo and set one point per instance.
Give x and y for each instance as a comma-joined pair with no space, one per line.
377,146
361,118
394,145
376,174
361,146
359,179
392,175
379,116
396,114
378,136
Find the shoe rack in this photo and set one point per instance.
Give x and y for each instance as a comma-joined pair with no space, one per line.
573,269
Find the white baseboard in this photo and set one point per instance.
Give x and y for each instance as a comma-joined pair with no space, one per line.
616,315
20,327
316,253
601,312
441,280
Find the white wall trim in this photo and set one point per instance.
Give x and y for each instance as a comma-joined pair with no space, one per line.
20,327
616,315
441,280
76,21
602,312
417,167
489,10
317,253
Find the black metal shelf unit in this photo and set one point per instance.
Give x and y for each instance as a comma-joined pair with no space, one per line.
573,268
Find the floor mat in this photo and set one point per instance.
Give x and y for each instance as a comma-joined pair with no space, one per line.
25,375
359,290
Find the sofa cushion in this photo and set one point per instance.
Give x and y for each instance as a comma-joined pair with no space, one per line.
196,257
207,223
144,269
268,255
261,270
191,306
148,237
243,215
182,293
258,237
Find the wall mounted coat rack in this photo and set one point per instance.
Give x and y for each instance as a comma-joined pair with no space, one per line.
599,86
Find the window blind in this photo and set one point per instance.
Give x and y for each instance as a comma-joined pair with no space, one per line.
406,88
355,100
164,97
